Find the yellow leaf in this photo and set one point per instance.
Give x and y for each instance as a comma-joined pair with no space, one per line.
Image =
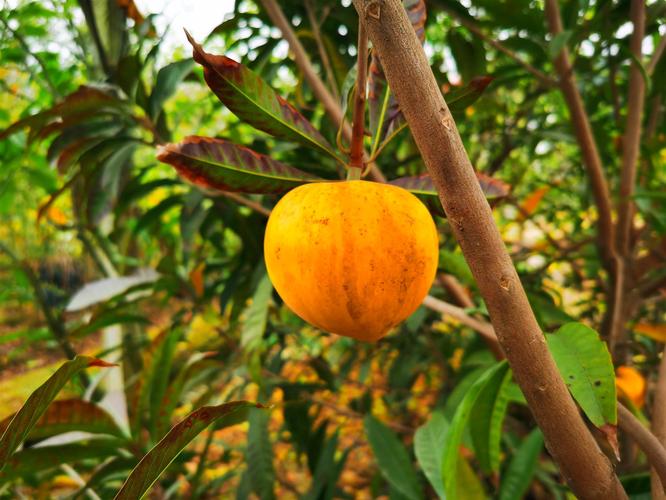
56,215
631,384
656,332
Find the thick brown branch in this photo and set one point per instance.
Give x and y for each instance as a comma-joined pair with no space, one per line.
332,108
659,424
409,75
586,141
646,441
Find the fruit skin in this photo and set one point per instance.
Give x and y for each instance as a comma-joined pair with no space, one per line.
353,258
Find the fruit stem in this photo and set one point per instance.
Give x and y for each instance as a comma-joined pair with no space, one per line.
358,117
354,173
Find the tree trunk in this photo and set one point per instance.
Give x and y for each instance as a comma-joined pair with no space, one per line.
408,72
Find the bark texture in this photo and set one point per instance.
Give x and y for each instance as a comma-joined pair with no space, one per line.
584,466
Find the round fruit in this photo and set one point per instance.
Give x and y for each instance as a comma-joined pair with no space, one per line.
353,258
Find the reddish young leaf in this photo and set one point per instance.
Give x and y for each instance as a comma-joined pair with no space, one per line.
250,98
422,186
38,402
377,86
222,165
158,459
70,415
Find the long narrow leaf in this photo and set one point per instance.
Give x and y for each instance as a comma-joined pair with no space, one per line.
223,165
428,446
38,402
250,98
460,420
517,478
158,459
392,458
486,422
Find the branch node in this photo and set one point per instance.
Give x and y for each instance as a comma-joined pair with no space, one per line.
373,9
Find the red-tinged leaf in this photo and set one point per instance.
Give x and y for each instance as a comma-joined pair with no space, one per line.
30,461
163,453
251,99
84,102
460,99
222,165
69,415
38,402
382,105
423,187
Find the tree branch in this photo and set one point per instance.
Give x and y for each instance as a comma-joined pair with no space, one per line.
632,136
325,60
659,424
646,441
409,75
331,106
544,79
585,137
656,55
356,150
24,45
631,143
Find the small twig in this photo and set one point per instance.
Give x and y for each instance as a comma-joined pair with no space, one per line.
24,44
659,423
331,106
581,124
656,55
472,27
325,60
257,207
358,117
646,441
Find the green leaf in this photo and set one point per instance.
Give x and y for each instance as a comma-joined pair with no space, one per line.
223,165
428,446
459,422
586,366
260,455
158,459
38,402
486,419
159,376
251,99
69,415
455,264
392,458
168,79
469,55
558,43
327,472
256,314
518,475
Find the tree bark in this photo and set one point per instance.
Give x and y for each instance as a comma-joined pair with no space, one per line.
659,423
409,75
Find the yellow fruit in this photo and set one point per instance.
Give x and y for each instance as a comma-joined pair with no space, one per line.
353,258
